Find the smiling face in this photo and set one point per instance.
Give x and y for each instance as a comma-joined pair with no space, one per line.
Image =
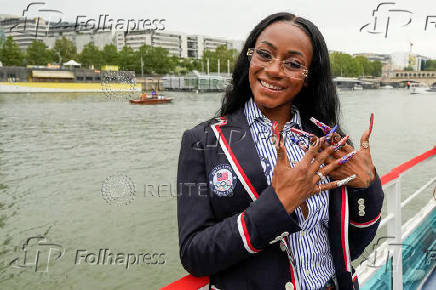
272,89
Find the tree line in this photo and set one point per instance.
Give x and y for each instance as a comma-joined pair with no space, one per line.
147,59
430,65
156,60
346,65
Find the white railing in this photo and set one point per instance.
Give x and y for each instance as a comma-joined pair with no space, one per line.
396,233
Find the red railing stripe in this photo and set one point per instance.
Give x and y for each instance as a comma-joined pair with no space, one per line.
190,282
395,173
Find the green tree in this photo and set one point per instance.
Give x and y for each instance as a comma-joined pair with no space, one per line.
64,49
222,54
110,55
364,65
186,65
11,53
127,59
345,65
376,68
155,60
91,55
430,65
1,45
38,54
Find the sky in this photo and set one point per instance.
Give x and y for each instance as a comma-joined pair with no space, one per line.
347,26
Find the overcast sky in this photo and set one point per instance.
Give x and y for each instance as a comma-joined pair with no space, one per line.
340,21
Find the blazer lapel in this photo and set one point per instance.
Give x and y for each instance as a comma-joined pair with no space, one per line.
237,143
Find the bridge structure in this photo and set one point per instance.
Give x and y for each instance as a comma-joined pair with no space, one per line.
426,77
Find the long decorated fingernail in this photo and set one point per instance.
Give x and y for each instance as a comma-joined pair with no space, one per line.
329,136
345,181
301,132
347,157
371,123
275,137
326,129
341,143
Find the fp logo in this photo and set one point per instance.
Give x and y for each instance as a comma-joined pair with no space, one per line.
37,254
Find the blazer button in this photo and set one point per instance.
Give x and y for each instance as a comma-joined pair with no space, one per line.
289,286
360,201
278,238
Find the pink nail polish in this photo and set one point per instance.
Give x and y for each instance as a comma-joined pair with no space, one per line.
371,123
301,132
326,129
347,157
341,143
275,133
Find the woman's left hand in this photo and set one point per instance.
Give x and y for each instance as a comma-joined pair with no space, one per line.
360,164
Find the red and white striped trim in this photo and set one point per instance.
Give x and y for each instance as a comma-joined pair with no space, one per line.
344,229
243,232
354,277
367,224
233,160
294,278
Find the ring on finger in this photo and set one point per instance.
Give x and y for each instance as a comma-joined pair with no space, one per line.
365,145
321,176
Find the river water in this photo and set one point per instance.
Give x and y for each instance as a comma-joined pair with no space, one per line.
57,151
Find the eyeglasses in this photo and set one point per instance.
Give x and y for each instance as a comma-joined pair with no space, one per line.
291,67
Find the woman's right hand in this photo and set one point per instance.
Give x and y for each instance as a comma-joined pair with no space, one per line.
294,186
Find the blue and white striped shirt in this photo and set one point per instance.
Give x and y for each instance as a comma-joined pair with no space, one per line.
309,247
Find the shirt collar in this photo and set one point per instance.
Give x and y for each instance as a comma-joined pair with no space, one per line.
254,114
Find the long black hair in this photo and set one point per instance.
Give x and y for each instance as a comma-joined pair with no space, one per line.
318,99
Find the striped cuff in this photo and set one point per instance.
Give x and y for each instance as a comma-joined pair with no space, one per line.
245,236
366,224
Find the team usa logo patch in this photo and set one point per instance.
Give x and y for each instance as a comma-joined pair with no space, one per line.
222,180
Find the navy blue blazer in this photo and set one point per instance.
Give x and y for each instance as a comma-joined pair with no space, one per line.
236,234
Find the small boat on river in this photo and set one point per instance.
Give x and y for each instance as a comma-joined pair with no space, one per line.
153,100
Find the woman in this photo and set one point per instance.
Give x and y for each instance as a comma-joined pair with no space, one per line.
257,212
